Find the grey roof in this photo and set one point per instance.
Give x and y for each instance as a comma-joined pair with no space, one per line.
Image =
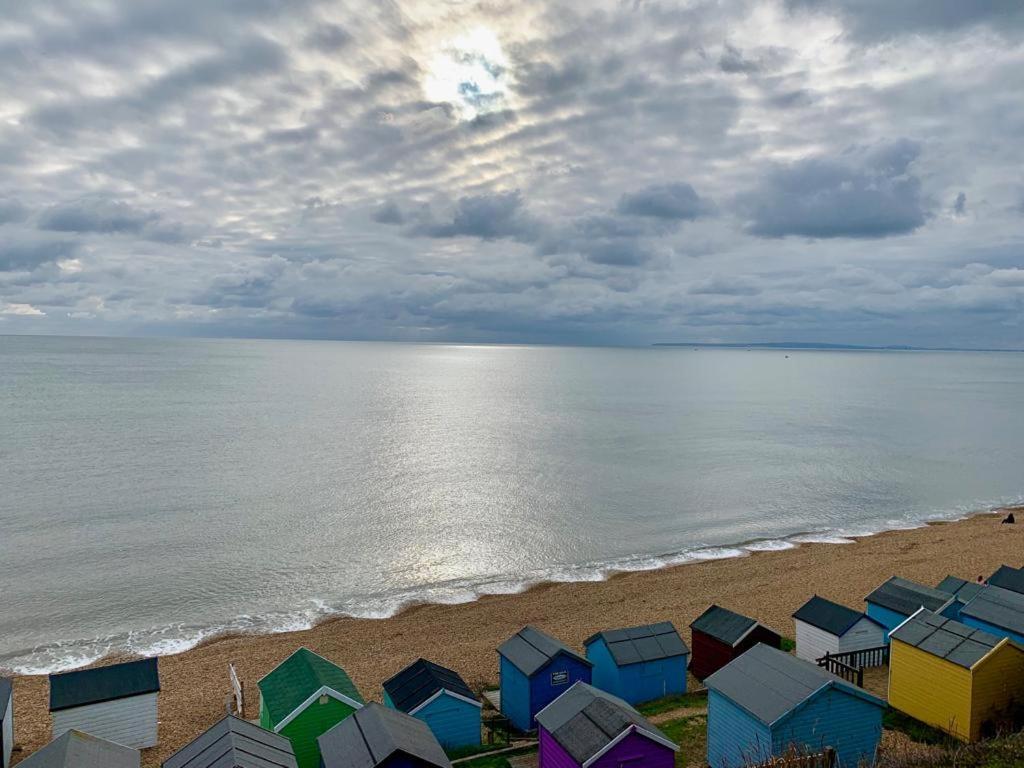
832,617
946,638
370,735
962,589
723,624
1008,578
422,679
99,684
6,692
584,720
634,645
234,743
769,684
999,607
530,649
905,596
75,749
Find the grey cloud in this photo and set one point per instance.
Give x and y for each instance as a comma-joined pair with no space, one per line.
960,204
26,253
489,217
860,193
874,20
389,213
329,38
110,217
11,210
733,61
665,201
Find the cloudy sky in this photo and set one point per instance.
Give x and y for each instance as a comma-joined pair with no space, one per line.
594,172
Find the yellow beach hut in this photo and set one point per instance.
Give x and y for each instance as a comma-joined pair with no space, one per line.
951,676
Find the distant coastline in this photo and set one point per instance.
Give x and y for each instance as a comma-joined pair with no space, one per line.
826,347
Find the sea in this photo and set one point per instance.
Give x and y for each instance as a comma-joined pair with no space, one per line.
156,492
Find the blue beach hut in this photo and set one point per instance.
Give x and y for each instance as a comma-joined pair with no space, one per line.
766,703
898,599
997,611
639,664
535,669
440,698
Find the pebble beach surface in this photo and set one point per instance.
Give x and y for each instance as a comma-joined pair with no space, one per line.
768,585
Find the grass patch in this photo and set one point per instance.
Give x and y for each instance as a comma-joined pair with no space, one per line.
788,644
496,761
476,749
915,729
669,703
691,734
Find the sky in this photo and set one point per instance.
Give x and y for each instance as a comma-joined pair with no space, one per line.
845,171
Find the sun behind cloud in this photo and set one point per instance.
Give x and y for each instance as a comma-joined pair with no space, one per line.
471,72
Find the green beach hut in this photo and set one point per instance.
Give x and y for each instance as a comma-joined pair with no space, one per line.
303,697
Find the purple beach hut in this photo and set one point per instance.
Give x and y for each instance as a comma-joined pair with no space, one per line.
588,728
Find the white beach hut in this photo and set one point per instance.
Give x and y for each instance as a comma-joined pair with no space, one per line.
117,703
826,627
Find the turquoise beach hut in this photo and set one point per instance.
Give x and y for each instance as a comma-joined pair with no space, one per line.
536,669
767,702
440,698
639,664
895,601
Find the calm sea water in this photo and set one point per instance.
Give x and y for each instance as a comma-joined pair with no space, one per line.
155,491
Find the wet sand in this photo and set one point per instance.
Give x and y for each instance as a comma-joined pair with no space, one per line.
767,585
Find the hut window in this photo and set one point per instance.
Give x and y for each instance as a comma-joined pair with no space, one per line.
324,698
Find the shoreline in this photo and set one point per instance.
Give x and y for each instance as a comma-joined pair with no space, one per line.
81,652
768,585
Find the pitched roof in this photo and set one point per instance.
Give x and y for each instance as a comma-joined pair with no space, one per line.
1008,578
634,645
300,676
832,617
946,638
530,649
999,607
99,684
75,749
723,624
421,681
961,589
6,691
234,743
586,721
770,684
372,734
905,596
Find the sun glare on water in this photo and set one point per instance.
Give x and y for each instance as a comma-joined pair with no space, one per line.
470,72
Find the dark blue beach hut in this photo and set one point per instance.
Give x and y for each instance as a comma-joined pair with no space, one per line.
536,669
440,698
639,664
1009,578
766,703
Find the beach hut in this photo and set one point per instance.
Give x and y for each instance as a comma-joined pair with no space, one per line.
639,663
303,697
117,702
234,743
534,670
891,603
1009,578
586,727
75,749
440,698
996,610
766,703
825,627
6,722
378,736
718,636
962,589
952,676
